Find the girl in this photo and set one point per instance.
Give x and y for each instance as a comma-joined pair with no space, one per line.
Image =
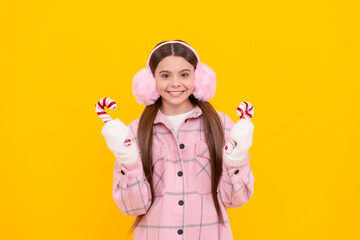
172,170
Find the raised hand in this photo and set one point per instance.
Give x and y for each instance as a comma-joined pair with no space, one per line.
241,134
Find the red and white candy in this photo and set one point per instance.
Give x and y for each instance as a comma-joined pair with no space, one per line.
244,110
229,147
99,108
127,142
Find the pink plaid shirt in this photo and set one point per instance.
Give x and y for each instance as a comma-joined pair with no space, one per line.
183,207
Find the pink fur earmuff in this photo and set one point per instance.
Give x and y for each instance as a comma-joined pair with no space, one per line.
144,83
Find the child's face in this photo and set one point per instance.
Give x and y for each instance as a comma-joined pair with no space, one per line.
175,81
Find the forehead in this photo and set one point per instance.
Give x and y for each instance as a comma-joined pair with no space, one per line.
173,63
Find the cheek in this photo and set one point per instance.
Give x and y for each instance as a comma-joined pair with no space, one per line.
161,87
190,85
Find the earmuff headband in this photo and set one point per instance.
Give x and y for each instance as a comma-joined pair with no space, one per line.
161,44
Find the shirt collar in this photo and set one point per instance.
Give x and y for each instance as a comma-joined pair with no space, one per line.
161,118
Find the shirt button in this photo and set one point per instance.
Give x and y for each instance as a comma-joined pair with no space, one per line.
182,146
237,171
181,202
180,173
122,172
180,231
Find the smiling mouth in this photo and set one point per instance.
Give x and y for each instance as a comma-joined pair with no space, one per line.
175,93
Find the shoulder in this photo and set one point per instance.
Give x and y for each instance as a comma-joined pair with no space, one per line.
225,119
227,124
133,126
135,122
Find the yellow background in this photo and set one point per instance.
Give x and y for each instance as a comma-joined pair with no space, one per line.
296,61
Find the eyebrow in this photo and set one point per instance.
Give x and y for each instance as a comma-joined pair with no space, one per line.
179,72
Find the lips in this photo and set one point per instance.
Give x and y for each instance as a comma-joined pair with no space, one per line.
175,93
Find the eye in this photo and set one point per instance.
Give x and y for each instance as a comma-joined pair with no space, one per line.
165,75
185,75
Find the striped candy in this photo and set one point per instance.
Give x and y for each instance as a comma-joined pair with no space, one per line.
127,142
245,110
99,108
231,144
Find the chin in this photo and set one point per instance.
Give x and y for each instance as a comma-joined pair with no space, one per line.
177,101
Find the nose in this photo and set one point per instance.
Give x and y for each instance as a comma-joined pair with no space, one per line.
176,82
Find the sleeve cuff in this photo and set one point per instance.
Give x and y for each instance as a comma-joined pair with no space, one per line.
235,161
128,156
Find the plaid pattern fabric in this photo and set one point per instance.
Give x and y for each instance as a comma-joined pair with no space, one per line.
183,207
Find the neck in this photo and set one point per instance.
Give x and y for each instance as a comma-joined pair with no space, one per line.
169,109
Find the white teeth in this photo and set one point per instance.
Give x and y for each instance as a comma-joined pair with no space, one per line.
175,93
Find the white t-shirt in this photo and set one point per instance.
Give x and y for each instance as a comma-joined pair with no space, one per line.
176,120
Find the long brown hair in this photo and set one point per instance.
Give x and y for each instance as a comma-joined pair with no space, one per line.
214,132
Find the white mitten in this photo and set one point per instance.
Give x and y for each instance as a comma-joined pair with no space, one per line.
241,134
115,133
